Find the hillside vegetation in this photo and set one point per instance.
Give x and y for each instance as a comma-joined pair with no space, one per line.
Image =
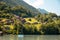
13,3
19,20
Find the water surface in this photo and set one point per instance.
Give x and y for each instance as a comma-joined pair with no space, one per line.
30,37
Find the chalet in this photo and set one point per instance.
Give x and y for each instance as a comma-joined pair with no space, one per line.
8,27
31,21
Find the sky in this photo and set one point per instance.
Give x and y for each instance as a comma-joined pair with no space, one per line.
49,5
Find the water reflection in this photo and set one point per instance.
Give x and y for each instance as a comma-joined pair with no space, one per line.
42,37
30,37
11,37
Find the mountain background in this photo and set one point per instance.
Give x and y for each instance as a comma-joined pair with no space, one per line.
22,3
43,11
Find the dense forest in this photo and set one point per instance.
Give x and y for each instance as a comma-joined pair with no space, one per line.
19,20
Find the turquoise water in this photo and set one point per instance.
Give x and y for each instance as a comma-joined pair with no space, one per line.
30,37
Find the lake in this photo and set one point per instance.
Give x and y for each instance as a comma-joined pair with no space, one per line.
30,37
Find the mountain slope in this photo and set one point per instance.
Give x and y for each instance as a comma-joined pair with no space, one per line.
16,10
22,3
42,11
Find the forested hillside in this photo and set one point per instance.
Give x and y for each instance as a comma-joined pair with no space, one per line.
19,20
20,3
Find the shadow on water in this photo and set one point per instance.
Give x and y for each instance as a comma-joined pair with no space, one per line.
30,37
